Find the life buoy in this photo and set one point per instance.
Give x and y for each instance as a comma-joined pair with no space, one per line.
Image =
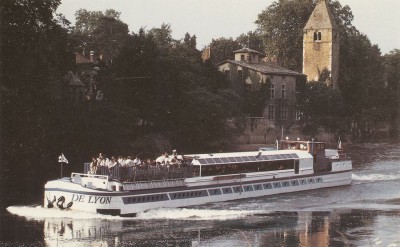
60,202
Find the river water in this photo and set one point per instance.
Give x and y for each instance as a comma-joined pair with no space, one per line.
365,213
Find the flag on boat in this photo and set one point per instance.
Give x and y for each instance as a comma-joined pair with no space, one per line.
339,144
62,159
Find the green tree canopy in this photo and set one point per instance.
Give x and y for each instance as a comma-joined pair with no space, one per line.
222,49
392,93
181,96
281,29
35,53
87,21
323,106
251,40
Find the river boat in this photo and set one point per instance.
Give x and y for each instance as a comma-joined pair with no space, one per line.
202,178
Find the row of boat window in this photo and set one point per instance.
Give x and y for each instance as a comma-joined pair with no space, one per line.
227,160
142,199
238,168
219,191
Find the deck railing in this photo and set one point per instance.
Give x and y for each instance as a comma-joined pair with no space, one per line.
135,174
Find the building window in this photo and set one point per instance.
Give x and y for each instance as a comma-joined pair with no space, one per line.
278,112
240,75
284,111
272,90
317,36
271,111
283,91
242,57
281,112
227,73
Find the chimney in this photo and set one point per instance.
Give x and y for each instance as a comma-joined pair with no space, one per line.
91,56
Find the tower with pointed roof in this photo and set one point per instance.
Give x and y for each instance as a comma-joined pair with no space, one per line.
321,45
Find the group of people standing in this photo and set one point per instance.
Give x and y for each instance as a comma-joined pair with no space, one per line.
164,160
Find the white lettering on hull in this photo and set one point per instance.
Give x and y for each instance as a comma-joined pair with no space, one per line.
91,199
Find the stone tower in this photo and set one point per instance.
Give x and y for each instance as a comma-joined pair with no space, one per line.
321,45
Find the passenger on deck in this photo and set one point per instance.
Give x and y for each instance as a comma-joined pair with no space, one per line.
137,161
166,160
101,160
163,159
121,160
106,162
150,163
93,166
173,159
129,162
113,167
178,157
113,162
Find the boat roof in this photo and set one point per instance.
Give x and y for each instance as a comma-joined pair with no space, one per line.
246,157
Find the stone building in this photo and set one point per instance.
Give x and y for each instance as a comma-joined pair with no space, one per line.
321,45
248,71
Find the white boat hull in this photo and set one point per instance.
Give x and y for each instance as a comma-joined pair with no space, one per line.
59,193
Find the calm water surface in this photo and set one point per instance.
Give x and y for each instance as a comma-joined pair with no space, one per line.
365,213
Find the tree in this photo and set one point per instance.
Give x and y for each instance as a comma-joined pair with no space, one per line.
190,41
109,36
281,29
35,51
392,92
256,99
183,99
87,21
251,40
361,82
163,36
101,32
323,106
222,49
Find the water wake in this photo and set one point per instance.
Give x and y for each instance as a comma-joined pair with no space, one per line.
376,177
195,214
41,213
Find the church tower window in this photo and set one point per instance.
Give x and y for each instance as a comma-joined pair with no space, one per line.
317,36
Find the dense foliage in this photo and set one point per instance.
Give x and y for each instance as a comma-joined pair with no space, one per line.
391,101
223,49
159,95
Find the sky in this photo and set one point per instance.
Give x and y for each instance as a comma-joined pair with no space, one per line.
212,19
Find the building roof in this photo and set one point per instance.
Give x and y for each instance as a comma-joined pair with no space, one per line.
321,17
264,68
247,50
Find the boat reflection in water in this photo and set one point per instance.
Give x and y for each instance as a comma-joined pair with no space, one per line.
207,226
278,228
59,232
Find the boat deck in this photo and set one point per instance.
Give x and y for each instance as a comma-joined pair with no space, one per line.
143,174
